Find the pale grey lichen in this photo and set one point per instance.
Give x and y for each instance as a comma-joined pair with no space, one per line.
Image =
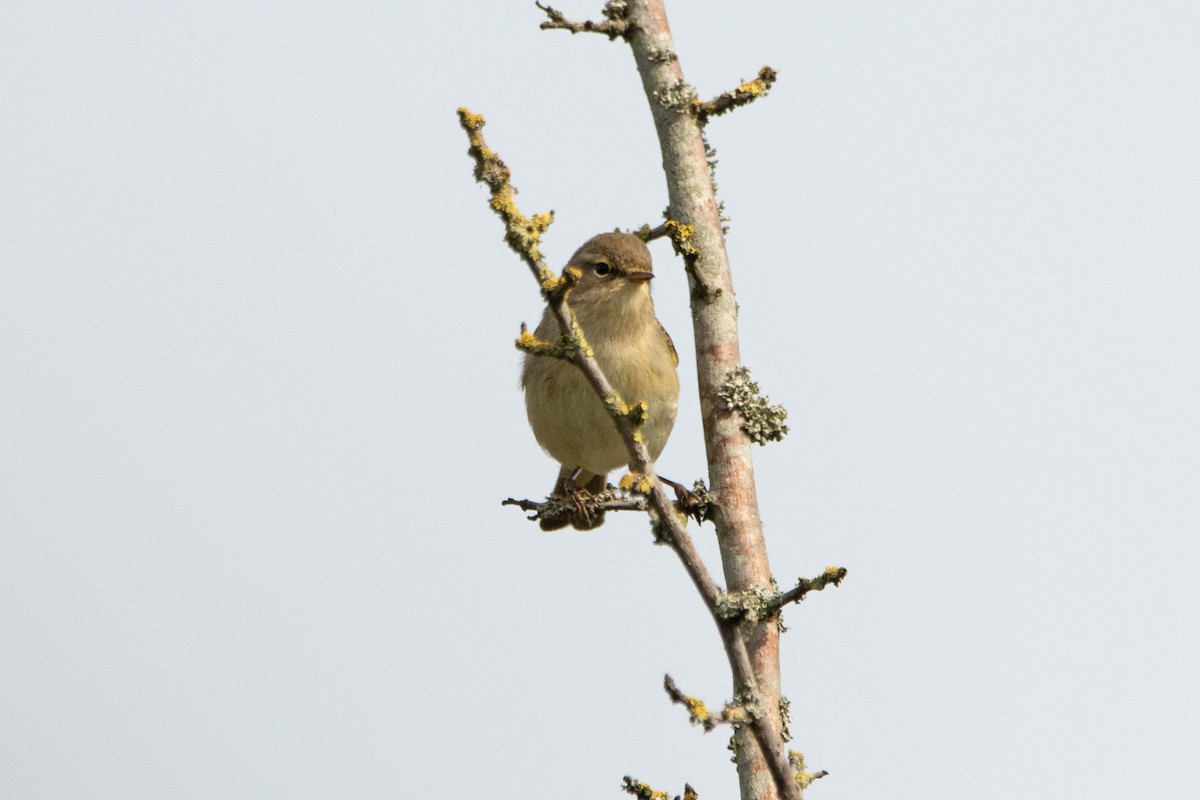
662,55
761,421
750,606
677,97
748,702
616,9
710,158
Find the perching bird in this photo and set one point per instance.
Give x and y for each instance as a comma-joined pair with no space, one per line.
613,307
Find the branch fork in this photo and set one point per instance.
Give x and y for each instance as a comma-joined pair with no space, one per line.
698,713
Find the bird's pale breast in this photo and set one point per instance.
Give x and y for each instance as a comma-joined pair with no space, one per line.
569,420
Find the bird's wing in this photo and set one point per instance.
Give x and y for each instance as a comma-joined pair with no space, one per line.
670,344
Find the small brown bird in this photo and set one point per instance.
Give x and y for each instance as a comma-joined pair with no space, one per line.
613,306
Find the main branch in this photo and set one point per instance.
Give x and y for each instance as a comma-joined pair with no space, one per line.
693,202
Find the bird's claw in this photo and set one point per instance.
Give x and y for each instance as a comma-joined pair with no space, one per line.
687,501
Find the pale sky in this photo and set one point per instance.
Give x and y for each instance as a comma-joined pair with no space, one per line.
259,400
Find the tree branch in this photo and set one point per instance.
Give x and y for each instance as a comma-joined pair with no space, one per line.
522,233
649,234
803,777
564,507
613,27
831,576
643,791
745,94
698,712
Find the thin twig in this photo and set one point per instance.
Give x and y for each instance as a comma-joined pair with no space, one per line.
649,234
522,233
643,791
803,776
831,576
560,507
745,94
698,712
612,28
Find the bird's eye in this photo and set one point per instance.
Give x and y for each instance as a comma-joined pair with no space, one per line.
602,268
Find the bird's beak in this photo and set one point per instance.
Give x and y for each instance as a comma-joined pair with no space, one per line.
640,277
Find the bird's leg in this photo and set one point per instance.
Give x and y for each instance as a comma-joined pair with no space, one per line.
577,489
568,488
587,516
560,507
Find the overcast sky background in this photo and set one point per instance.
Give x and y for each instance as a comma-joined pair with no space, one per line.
259,402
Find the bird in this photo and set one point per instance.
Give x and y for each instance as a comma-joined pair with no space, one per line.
613,307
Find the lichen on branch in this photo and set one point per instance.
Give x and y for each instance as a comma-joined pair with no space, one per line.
750,606
679,96
642,791
803,776
614,26
761,421
562,508
565,347
832,576
523,234
745,94
698,713
681,240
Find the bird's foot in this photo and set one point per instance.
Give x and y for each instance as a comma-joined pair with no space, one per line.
573,505
687,501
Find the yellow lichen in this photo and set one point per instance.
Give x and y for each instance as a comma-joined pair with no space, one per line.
636,482
679,230
615,405
522,234
470,119
803,777
696,709
736,714
754,87
643,790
